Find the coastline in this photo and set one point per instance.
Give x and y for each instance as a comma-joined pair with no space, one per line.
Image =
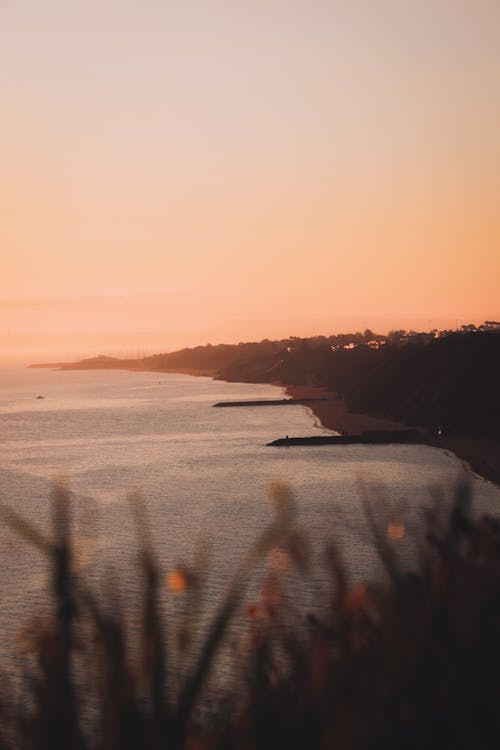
480,455
126,367
334,415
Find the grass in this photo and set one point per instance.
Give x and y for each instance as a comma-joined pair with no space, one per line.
413,662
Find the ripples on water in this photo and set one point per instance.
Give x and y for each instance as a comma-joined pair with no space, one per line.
203,473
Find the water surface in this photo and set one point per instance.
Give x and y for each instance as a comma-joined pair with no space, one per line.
204,473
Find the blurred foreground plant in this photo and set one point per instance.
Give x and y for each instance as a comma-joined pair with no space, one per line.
411,663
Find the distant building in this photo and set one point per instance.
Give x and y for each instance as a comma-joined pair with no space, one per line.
490,325
443,334
417,338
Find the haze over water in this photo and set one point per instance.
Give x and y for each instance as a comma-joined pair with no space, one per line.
204,474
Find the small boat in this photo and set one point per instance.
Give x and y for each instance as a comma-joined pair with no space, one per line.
40,396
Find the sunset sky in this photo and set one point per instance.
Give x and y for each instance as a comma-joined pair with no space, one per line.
176,171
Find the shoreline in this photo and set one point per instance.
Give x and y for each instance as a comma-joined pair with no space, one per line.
125,368
479,455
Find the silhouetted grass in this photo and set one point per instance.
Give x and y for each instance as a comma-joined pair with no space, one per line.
413,662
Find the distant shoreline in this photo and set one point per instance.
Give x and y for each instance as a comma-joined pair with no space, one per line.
480,455
117,366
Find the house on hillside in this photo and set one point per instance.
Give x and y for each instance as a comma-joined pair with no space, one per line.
490,326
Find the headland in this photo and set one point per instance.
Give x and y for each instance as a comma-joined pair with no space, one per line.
445,386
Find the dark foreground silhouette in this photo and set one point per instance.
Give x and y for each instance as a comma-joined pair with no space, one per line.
413,662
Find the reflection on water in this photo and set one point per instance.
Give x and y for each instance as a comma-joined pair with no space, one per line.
201,471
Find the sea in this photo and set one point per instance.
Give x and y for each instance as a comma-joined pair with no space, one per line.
205,478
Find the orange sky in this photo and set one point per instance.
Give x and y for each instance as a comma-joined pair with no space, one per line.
181,172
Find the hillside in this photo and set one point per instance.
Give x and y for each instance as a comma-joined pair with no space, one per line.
450,382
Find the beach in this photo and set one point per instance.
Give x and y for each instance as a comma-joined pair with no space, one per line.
480,454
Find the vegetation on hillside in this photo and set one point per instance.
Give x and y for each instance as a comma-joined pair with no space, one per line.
449,382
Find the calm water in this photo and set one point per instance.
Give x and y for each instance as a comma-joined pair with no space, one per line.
204,474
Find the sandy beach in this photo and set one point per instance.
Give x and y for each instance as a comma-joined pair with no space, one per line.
481,455
335,415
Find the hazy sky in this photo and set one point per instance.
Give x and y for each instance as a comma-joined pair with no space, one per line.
175,172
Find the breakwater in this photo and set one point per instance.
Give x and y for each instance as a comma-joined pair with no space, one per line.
270,402
370,437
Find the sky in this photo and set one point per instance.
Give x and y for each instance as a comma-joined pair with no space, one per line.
174,172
